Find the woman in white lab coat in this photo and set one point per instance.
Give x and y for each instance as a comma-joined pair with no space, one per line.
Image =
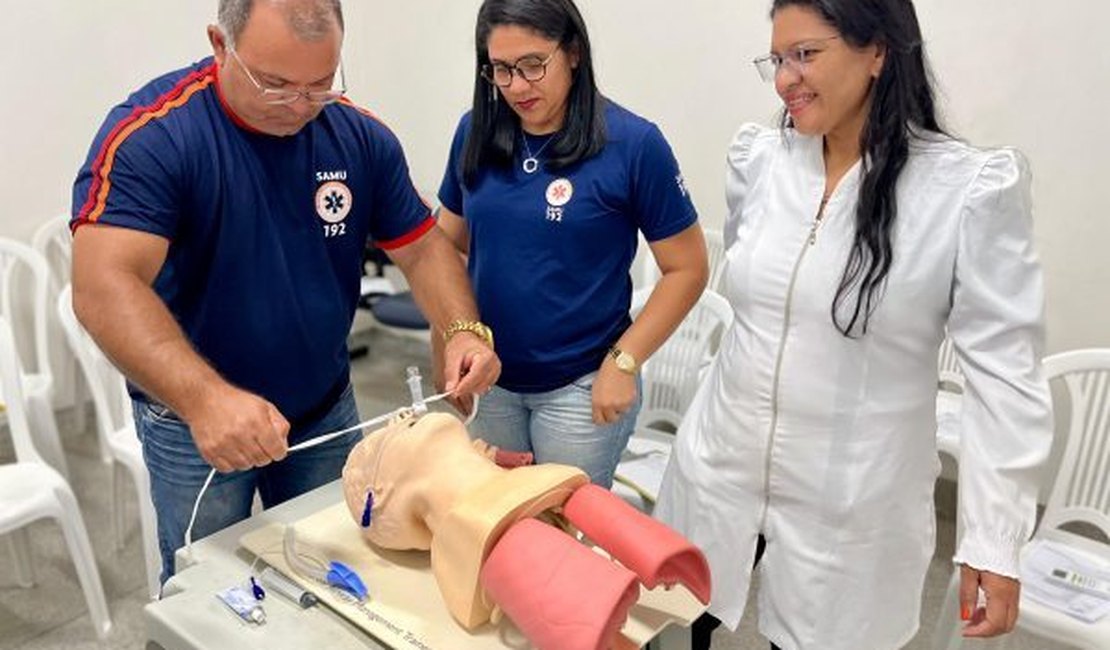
856,235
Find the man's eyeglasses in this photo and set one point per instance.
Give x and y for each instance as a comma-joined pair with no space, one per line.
280,96
796,57
530,69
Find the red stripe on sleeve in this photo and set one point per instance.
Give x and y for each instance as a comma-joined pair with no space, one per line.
410,237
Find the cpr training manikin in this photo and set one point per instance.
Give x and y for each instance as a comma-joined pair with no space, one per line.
502,539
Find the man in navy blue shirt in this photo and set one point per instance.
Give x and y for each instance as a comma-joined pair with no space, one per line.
219,223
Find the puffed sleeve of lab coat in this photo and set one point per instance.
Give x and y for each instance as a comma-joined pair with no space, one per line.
743,167
996,325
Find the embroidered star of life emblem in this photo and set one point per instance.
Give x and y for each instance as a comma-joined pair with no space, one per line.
333,201
559,192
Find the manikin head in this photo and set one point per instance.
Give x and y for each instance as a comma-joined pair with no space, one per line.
420,483
415,468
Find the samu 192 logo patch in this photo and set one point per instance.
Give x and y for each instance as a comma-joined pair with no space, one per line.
558,194
333,201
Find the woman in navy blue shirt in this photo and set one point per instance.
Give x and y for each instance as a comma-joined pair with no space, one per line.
547,186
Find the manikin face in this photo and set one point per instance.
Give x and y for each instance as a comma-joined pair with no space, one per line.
270,51
541,105
830,93
414,469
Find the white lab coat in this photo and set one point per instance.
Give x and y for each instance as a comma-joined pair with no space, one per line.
826,444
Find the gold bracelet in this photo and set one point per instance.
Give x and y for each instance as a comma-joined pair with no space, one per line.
477,328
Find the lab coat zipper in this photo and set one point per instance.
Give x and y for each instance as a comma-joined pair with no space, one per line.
811,240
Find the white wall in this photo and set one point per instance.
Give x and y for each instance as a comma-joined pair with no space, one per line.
1020,72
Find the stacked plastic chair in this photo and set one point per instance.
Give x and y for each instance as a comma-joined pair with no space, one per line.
116,431
25,283
670,378
31,490
1080,495
53,241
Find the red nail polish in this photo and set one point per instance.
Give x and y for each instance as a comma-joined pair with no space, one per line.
965,612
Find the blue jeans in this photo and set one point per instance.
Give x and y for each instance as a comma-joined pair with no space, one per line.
557,427
177,472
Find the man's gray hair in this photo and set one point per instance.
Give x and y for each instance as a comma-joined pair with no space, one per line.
310,20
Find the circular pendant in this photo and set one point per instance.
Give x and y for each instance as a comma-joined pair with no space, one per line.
530,165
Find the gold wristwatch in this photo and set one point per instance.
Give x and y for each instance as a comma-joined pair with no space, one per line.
477,328
625,362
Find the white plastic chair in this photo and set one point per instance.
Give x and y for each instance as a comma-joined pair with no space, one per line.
715,250
950,393
25,282
670,378
1080,494
53,241
948,366
31,490
115,428
672,374
715,247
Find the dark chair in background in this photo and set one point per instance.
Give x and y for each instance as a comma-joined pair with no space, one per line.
391,308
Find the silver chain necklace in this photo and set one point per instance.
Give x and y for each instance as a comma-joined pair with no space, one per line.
531,161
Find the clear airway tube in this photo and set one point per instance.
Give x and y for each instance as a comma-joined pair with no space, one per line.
319,440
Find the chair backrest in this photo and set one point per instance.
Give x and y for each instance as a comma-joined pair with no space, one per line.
106,384
1081,491
950,377
53,241
25,282
671,376
715,251
11,395
715,248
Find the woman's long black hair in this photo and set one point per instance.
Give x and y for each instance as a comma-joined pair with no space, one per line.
495,128
902,106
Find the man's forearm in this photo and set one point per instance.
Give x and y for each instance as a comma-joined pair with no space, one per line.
435,272
438,279
136,330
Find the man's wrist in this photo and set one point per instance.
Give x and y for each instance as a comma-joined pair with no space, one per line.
477,328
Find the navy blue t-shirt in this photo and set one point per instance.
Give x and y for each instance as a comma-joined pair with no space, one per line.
266,233
550,252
